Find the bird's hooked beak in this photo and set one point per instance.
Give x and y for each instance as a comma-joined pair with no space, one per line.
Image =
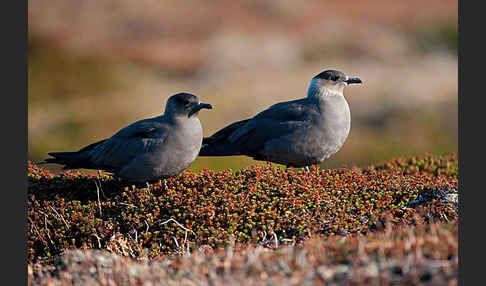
200,106
352,80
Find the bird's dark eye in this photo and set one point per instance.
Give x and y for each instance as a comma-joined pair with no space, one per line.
186,101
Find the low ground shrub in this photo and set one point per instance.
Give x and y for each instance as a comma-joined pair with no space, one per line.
254,205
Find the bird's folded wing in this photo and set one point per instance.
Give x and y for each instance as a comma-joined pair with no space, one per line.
143,128
225,132
277,120
134,140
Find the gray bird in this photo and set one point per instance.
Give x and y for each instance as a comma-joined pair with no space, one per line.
296,133
149,149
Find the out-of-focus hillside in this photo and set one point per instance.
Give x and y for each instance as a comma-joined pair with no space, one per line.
95,66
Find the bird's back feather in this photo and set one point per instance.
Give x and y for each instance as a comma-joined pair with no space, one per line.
247,137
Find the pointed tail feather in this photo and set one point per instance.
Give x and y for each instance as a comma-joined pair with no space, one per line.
72,160
219,149
69,159
224,133
218,145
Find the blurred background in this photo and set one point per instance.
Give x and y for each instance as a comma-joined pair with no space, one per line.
96,66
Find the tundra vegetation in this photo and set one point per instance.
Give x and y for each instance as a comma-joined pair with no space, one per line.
394,222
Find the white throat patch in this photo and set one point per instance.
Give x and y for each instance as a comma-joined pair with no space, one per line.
318,89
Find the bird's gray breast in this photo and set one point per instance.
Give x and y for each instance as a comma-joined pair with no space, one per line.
333,125
169,156
183,146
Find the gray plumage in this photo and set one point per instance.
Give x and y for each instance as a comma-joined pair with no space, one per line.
149,149
295,133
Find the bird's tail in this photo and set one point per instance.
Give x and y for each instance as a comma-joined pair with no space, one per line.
69,159
218,149
72,160
218,144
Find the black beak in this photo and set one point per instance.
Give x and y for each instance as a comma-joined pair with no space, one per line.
353,80
199,107
204,105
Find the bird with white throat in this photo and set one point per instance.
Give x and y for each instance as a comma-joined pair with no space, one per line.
296,133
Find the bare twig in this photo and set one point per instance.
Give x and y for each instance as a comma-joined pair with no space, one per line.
130,205
131,250
32,225
98,194
60,216
99,239
185,235
176,242
188,250
146,231
445,217
135,240
47,230
99,181
180,225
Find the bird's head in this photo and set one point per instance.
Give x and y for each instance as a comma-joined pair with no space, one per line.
185,104
330,82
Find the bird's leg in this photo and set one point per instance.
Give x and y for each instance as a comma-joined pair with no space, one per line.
148,187
307,169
